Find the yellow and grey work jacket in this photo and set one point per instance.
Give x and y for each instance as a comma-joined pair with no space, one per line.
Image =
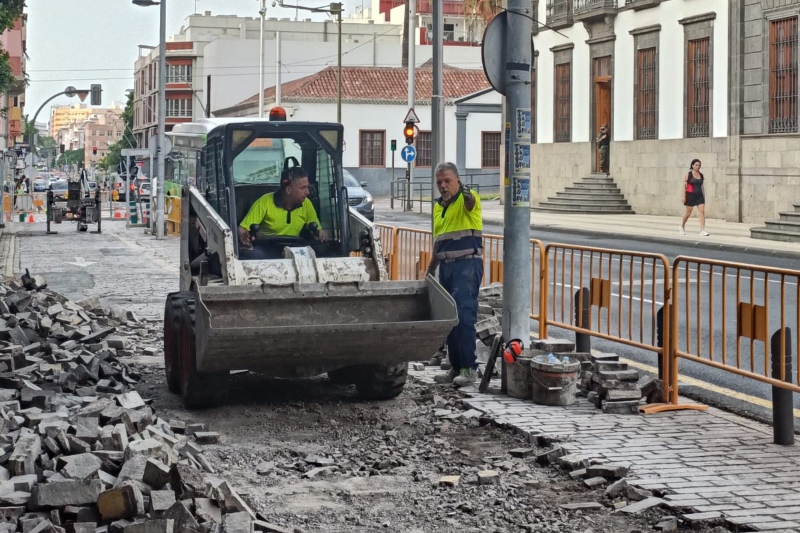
457,232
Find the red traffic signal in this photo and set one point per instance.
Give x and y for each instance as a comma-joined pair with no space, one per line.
94,150
409,132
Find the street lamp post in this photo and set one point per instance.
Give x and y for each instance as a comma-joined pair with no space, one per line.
263,13
162,110
335,8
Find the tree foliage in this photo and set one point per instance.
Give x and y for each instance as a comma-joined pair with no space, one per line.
114,155
71,157
10,12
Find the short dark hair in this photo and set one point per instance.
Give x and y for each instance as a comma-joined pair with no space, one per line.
291,175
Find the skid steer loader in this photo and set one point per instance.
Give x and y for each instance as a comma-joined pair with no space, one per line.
312,307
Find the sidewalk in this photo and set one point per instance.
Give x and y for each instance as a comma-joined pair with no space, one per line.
706,465
725,236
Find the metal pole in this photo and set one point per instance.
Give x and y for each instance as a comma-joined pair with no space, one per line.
517,249
263,13
339,76
437,102
412,65
277,70
3,166
162,111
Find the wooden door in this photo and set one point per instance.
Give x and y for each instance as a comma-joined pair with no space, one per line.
601,70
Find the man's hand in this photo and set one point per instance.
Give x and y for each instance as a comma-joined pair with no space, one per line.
432,266
467,192
321,236
244,237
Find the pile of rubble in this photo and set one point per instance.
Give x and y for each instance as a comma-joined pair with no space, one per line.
611,386
80,452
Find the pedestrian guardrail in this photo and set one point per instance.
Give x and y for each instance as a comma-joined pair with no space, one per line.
745,313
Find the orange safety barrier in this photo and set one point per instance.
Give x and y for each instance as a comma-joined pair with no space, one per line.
172,205
752,301
616,295
388,237
413,253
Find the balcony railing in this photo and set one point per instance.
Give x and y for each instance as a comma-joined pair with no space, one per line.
641,4
586,6
593,9
559,13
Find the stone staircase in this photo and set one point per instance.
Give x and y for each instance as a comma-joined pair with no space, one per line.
596,194
786,228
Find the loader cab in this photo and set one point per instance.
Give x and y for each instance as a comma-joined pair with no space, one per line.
244,161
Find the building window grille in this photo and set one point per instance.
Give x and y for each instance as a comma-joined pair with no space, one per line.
179,73
563,103
490,149
372,152
423,146
179,108
699,87
783,76
646,94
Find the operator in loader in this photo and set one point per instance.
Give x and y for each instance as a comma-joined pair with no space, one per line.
287,212
458,252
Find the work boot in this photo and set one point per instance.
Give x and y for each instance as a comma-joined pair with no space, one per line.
446,378
466,377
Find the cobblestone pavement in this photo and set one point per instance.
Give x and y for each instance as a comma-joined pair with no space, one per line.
710,465
123,267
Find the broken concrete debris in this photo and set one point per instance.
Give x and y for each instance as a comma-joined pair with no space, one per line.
83,448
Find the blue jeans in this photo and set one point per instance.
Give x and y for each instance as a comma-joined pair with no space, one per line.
462,279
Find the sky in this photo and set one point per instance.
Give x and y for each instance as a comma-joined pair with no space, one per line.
80,42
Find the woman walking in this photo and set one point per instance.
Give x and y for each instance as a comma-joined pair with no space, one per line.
693,196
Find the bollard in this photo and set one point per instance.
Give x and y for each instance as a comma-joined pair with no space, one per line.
782,399
583,341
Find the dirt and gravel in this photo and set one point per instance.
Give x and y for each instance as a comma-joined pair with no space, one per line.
309,456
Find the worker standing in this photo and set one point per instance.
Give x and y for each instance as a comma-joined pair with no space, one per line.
458,252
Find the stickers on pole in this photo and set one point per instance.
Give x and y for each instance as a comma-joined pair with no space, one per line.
521,159
507,162
524,124
520,192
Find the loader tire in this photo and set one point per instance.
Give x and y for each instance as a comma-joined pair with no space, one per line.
382,382
344,376
172,339
200,389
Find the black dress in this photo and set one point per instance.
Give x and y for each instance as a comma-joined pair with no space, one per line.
695,197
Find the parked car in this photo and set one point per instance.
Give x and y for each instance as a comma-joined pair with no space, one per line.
358,197
40,185
60,187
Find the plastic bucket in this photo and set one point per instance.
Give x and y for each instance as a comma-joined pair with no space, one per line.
554,384
520,381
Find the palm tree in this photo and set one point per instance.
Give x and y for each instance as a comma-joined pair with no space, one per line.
479,13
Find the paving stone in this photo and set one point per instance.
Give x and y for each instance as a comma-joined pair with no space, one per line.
582,506
449,481
81,466
23,458
554,345
150,526
120,502
488,477
156,474
240,522
608,470
179,512
594,482
207,510
161,500
643,505
522,452
62,493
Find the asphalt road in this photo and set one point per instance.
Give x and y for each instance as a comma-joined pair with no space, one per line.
637,300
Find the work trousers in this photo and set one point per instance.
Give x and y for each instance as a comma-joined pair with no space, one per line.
603,158
462,279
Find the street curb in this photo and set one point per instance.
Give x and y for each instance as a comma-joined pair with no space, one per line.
782,254
704,245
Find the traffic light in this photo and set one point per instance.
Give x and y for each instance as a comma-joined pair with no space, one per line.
94,150
393,145
95,94
60,148
408,131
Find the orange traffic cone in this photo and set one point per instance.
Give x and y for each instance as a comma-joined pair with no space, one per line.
116,213
30,218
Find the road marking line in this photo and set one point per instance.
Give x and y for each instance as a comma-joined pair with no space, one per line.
755,400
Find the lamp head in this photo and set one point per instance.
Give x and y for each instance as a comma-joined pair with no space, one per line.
145,3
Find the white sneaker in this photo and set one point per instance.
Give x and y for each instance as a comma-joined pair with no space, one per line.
682,230
704,233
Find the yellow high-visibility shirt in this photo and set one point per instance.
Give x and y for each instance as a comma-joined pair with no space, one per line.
275,220
457,231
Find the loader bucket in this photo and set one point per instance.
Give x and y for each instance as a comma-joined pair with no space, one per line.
285,332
